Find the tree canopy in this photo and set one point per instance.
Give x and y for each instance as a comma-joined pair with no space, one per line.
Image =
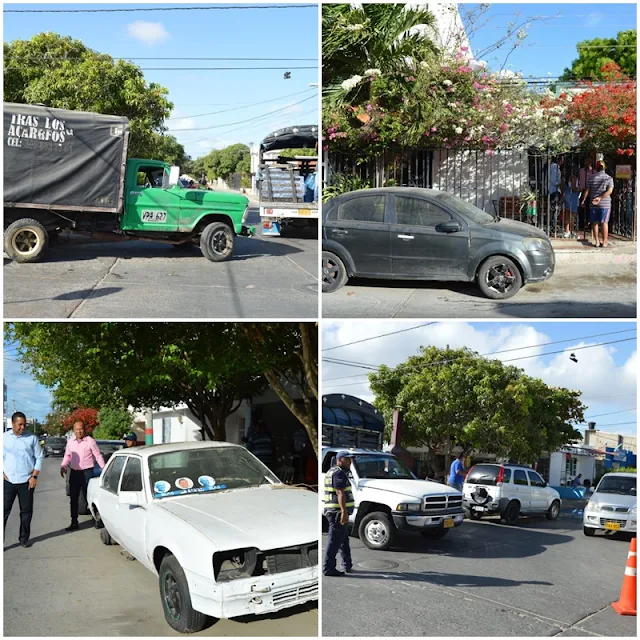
113,423
456,397
594,54
63,73
223,163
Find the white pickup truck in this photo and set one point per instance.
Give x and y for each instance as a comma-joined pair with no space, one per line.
225,536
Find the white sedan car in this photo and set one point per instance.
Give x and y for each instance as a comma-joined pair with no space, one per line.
224,535
612,506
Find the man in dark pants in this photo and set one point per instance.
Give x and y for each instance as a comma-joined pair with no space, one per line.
338,504
79,454
22,460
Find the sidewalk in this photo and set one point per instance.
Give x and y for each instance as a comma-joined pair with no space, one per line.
579,251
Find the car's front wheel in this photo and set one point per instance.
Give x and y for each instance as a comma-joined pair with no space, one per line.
377,531
588,531
499,278
216,242
553,511
176,600
334,273
105,537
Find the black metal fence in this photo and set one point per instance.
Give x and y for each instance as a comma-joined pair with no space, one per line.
512,184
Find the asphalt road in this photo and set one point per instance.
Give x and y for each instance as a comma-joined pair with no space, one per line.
70,584
580,289
538,578
265,278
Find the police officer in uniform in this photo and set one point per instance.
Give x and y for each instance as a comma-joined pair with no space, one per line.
338,504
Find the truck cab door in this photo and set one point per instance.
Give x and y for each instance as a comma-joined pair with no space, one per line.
149,207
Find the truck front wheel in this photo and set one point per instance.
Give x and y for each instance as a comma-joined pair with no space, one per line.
25,240
216,241
377,531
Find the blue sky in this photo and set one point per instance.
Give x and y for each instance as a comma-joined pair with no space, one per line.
250,33
551,44
605,374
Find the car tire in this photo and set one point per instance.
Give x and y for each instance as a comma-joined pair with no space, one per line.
25,240
588,531
216,242
511,514
434,534
499,278
334,273
377,531
106,537
176,600
553,511
475,515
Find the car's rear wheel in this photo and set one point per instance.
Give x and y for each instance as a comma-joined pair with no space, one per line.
588,531
553,511
377,531
216,242
434,534
176,600
499,278
25,240
511,514
334,273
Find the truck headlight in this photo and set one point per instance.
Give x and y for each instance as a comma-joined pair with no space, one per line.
245,215
537,244
409,506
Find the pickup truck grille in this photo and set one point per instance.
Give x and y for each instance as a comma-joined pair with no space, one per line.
442,505
291,558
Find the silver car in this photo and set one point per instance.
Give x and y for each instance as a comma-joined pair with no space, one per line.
612,506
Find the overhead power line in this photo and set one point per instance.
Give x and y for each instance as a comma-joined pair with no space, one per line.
208,68
382,335
146,9
611,413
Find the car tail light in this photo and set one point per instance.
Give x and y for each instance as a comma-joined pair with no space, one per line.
500,476
469,473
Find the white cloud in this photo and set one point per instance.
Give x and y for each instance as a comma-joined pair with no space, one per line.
180,124
149,33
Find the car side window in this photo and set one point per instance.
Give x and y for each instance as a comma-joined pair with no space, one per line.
326,463
507,476
111,478
520,477
418,212
363,209
535,479
132,476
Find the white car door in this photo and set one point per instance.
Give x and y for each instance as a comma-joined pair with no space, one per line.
108,503
132,518
521,489
538,492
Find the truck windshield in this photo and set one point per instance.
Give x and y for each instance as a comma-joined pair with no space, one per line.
617,484
205,471
386,467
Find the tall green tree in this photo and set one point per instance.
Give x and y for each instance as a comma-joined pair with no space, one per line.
594,54
223,163
62,72
113,423
454,397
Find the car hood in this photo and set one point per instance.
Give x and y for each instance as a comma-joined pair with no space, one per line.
515,228
613,499
262,517
411,488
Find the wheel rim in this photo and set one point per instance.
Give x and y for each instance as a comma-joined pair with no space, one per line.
25,241
220,242
555,509
500,278
330,271
377,532
172,601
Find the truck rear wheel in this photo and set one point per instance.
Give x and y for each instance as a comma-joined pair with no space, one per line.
25,240
377,531
216,241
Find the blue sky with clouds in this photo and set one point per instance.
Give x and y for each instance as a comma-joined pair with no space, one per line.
237,95
551,43
605,374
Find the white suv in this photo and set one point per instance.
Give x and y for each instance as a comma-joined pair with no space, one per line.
508,490
612,506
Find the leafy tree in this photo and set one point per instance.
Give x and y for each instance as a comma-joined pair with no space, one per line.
223,163
53,422
161,146
594,54
114,423
455,397
292,153
87,415
209,366
62,72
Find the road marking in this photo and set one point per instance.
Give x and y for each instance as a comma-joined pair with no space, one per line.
94,288
302,268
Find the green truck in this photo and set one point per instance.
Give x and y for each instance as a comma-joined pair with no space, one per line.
69,171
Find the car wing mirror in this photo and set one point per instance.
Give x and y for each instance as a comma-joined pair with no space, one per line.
133,498
451,226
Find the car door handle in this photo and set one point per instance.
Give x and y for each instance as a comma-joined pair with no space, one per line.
339,232
404,237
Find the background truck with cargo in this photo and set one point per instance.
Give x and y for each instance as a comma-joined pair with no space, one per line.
388,497
288,187
69,170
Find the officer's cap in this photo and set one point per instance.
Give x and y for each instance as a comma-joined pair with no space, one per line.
344,454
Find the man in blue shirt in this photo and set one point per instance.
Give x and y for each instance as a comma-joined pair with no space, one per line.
22,460
457,473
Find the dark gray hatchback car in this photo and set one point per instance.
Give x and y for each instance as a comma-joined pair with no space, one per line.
421,234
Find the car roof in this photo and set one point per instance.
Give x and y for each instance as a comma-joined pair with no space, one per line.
172,447
380,191
511,465
325,450
621,474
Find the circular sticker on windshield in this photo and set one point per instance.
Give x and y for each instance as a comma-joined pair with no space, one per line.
184,483
206,482
162,486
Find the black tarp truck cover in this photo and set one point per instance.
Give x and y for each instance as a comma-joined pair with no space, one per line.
59,159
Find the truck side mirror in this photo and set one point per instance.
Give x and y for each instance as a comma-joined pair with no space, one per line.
174,176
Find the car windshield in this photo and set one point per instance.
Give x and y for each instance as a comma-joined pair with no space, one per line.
465,208
617,484
205,471
56,442
386,467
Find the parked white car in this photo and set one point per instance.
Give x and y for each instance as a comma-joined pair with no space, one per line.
224,535
612,506
508,490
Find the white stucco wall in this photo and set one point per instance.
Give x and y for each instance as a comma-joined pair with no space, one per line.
586,465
